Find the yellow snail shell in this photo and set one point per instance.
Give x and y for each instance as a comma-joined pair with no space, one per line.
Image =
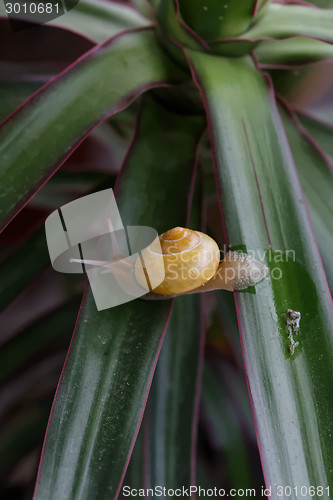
190,259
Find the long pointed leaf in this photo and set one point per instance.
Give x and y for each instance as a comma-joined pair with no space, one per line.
320,131
20,82
165,451
213,20
264,212
36,139
225,425
100,20
106,379
293,50
172,419
24,347
317,183
281,21
97,20
21,266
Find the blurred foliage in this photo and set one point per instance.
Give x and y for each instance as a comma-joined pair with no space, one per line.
38,324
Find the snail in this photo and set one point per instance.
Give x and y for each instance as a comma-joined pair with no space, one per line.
192,265
182,261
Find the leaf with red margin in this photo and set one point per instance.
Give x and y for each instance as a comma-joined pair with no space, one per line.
97,20
165,452
106,379
320,131
214,19
316,178
278,22
265,213
171,419
282,21
296,50
223,421
36,140
100,20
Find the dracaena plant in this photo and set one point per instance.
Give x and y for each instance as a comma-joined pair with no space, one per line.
198,79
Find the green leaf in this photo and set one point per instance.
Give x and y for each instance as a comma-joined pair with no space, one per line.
42,373
20,435
321,132
224,422
173,401
164,453
259,4
226,308
21,266
172,28
66,185
101,399
144,7
293,50
13,94
324,4
36,140
97,20
213,19
106,379
317,183
169,427
19,81
134,477
290,81
278,21
30,365
100,20
264,212
227,324
281,21
22,348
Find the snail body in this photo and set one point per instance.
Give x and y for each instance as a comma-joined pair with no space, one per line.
182,261
238,271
